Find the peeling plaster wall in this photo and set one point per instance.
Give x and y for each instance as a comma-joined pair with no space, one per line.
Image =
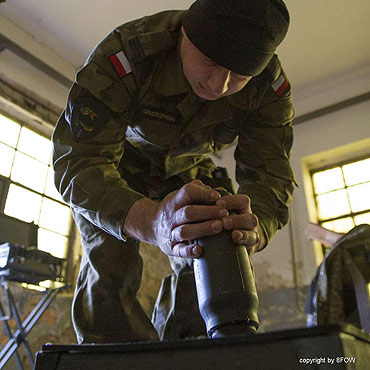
53,326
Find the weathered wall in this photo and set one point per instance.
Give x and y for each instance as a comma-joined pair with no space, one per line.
53,326
156,267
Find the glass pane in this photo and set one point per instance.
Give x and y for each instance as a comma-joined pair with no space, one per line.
34,145
359,197
50,188
52,243
362,219
342,225
29,172
6,160
22,204
328,180
9,131
55,216
332,204
357,172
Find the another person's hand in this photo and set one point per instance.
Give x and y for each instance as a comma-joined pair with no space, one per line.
243,224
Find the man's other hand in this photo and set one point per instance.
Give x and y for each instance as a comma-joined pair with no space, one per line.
243,223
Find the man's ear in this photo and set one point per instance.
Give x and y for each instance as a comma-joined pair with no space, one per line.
183,31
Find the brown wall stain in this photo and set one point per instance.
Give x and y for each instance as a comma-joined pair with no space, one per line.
266,279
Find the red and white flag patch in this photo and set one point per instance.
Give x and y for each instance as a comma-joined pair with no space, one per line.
121,64
280,85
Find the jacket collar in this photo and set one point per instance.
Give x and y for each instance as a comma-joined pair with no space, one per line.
170,79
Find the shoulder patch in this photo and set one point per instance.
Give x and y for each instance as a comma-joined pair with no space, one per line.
121,63
280,85
89,115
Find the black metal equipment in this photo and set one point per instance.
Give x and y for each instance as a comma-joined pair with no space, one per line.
328,347
227,295
29,264
226,291
19,264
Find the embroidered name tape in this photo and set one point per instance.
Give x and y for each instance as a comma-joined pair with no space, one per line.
280,85
121,64
159,115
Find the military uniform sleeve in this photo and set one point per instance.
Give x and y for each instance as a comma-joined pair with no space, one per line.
262,155
89,136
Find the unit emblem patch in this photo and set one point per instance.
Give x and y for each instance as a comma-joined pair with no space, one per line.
89,115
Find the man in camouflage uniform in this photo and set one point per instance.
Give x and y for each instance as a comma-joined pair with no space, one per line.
154,99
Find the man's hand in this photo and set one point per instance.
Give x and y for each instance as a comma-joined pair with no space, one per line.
179,218
244,224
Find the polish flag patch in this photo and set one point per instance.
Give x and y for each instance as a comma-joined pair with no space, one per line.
121,63
280,85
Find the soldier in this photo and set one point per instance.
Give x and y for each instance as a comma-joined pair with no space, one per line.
131,151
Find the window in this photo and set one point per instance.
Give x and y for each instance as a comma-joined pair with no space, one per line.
30,194
342,195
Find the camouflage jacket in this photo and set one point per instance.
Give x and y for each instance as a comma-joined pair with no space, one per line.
132,90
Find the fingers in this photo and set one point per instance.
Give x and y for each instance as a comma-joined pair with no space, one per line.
187,215
186,250
182,248
246,237
195,231
195,192
245,221
239,203
195,213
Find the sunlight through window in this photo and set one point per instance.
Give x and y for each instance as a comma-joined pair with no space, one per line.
22,204
6,160
54,216
341,225
342,195
359,197
362,219
52,243
332,204
29,172
30,194
328,180
9,131
50,188
358,172
34,145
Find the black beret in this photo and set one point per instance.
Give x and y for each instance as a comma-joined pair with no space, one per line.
240,35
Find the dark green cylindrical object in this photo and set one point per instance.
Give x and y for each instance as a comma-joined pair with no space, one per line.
227,295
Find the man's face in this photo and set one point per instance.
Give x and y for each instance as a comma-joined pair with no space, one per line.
209,80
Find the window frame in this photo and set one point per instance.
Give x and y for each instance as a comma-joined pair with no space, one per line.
330,166
5,182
